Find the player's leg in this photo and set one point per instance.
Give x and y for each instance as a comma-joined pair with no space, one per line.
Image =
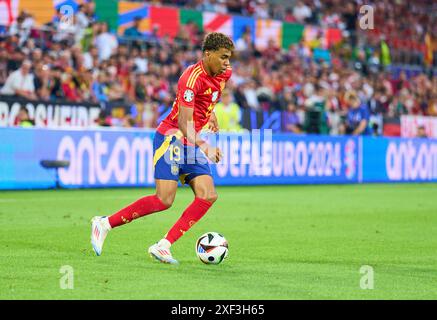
166,187
161,200
195,171
166,191
204,196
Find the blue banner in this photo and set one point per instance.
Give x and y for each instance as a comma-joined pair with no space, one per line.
98,158
399,160
286,159
123,158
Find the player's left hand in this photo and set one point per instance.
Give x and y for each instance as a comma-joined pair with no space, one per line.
212,123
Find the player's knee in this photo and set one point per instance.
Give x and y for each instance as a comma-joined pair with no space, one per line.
213,197
210,197
166,200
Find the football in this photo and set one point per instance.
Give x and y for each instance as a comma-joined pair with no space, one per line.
212,248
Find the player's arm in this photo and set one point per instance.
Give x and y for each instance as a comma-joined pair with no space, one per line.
213,123
186,125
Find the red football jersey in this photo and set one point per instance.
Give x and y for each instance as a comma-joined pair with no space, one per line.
197,90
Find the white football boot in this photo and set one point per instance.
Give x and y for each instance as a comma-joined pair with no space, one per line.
99,230
161,252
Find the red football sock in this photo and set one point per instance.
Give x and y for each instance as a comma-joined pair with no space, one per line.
139,208
195,211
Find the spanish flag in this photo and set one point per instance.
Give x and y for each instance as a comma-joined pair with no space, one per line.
429,50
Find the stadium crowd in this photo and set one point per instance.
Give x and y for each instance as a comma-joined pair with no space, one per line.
86,62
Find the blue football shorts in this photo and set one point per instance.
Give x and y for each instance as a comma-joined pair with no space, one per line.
173,160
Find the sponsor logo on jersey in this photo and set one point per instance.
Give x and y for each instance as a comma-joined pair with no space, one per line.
222,85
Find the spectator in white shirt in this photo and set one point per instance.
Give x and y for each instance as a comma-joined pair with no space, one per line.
20,82
141,62
301,12
262,10
250,95
105,42
22,26
82,22
90,58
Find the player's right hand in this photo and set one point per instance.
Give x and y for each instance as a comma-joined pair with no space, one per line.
214,154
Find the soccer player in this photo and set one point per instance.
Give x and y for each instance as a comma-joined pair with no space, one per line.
179,152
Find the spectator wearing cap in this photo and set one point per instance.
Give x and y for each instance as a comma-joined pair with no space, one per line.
20,82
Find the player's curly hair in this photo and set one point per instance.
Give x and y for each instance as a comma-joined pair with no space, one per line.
214,41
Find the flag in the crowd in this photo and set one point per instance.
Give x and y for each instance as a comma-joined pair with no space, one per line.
128,11
57,4
429,50
268,30
107,10
215,22
291,33
242,25
385,54
317,37
166,19
333,36
43,11
189,15
8,11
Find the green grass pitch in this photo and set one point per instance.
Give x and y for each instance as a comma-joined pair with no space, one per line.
285,242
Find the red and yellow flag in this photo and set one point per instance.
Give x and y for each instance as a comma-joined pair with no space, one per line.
429,49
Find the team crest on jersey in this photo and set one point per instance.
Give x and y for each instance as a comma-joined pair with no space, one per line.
174,169
214,96
188,95
222,85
